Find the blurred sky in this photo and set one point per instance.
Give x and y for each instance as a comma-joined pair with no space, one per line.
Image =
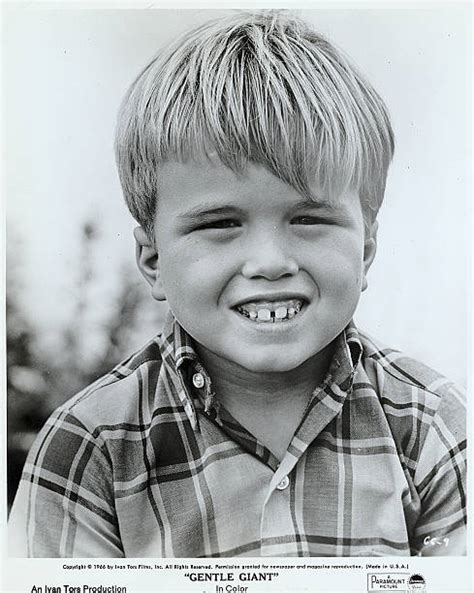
65,71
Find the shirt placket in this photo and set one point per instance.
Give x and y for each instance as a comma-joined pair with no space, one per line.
281,513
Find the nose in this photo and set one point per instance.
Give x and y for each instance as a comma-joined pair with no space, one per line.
269,258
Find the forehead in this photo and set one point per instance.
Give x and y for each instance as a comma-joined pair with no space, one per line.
184,184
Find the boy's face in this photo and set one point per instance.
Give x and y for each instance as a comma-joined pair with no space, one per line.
253,272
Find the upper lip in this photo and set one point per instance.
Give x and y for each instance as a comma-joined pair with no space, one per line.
271,296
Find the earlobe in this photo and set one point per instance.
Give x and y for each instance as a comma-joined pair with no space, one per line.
370,249
148,263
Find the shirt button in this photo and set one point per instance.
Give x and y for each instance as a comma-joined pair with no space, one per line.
284,483
198,380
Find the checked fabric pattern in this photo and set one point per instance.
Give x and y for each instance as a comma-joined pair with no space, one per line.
140,464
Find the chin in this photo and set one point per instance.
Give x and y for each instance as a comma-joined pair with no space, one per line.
269,364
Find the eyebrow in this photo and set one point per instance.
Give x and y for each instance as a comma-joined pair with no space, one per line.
319,203
209,209
204,210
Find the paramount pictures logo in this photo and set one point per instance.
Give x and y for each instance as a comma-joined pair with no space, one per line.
396,582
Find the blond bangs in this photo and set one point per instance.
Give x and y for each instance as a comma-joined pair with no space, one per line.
261,88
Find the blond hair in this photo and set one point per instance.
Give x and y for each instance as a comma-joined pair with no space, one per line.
255,87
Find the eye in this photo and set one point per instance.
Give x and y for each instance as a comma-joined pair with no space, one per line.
307,220
223,223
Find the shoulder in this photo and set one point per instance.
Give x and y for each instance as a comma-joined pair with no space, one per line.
406,377
416,399
88,425
113,398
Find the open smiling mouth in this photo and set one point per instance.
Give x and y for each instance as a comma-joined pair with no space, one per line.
270,311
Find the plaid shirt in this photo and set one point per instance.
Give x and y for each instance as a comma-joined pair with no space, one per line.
143,463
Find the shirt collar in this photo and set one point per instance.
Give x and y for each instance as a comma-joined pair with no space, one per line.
346,357
178,353
176,344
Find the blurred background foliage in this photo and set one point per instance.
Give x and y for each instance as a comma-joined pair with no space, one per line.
41,378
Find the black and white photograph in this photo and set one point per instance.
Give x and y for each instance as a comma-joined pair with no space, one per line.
238,250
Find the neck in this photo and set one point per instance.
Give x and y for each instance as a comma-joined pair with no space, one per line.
239,388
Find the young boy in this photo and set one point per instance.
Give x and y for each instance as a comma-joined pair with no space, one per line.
261,422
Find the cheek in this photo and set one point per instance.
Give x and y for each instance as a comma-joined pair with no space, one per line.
340,268
190,279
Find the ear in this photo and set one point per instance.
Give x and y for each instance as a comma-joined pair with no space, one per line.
370,249
148,263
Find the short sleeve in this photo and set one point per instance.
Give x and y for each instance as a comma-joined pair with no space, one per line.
64,506
440,479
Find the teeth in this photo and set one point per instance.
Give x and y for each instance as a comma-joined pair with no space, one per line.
264,315
270,311
280,313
